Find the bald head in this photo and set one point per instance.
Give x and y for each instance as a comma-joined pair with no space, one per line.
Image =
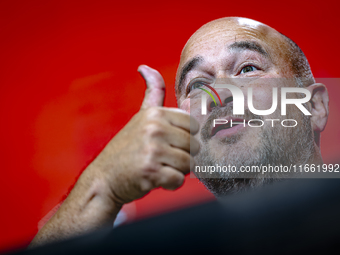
258,61
210,41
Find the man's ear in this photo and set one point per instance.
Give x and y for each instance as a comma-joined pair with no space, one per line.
319,103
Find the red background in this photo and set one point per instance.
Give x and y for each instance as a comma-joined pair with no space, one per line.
68,83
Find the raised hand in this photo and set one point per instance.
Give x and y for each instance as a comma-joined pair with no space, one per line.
152,150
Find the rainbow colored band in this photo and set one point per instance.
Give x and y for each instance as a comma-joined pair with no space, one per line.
213,90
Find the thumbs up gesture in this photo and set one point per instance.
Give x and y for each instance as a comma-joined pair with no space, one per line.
152,150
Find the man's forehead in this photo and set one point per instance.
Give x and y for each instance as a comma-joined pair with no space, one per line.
216,36
218,33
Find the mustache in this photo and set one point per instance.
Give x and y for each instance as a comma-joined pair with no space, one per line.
225,111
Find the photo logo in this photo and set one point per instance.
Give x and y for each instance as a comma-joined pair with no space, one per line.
213,90
238,99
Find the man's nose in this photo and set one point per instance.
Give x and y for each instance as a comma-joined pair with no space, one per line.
225,96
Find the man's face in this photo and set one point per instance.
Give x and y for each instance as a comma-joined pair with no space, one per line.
246,54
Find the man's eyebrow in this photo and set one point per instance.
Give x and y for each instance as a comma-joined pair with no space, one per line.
187,68
248,45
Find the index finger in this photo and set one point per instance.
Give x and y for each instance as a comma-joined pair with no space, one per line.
182,119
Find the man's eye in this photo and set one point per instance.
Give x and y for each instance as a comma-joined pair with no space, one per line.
194,85
247,69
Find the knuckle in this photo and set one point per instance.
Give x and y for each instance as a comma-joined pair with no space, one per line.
149,165
145,185
176,180
148,174
154,129
151,157
186,163
155,112
172,181
185,159
154,151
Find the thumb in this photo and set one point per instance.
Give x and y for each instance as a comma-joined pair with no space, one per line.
155,91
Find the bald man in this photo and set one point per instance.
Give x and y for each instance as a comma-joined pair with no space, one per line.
160,145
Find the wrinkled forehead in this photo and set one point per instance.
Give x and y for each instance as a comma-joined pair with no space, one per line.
215,37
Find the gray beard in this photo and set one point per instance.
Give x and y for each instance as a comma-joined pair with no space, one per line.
279,146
